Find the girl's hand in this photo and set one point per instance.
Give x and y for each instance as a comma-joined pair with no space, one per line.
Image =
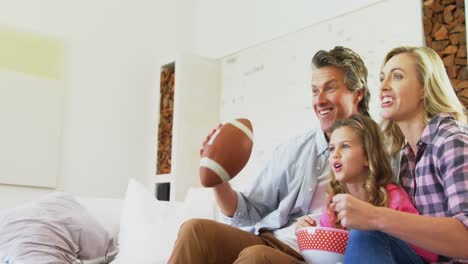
354,213
304,222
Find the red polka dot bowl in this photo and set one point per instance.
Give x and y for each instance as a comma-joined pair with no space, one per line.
322,244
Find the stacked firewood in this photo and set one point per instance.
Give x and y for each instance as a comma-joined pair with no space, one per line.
444,30
166,111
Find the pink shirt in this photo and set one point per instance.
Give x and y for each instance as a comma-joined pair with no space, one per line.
398,200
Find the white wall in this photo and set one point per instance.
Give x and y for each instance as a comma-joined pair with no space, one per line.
270,83
111,51
223,27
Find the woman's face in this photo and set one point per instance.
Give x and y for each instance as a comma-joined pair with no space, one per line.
401,92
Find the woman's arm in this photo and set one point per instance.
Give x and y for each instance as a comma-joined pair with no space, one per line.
442,235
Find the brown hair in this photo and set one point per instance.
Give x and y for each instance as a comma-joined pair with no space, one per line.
353,67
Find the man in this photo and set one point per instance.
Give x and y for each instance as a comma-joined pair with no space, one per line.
292,184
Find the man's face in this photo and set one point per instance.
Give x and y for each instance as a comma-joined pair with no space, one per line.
331,99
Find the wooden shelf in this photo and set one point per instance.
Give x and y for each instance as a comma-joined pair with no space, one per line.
195,111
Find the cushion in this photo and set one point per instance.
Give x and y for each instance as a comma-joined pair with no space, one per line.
54,229
148,227
106,211
200,203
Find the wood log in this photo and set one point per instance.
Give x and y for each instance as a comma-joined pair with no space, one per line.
461,51
449,60
460,61
439,45
437,7
458,28
461,85
427,26
448,16
435,27
441,34
458,12
445,32
461,38
427,3
428,41
452,71
463,74
452,49
163,164
453,39
463,93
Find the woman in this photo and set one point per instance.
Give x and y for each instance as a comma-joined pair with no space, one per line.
423,117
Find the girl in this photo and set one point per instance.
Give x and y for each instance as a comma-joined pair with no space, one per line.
360,167
423,118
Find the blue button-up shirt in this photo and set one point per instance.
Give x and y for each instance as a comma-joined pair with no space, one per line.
283,190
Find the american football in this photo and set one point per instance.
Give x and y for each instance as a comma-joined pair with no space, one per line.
226,152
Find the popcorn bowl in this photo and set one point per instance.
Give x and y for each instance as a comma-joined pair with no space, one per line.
322,244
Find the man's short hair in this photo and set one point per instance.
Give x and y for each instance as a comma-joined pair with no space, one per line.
354,70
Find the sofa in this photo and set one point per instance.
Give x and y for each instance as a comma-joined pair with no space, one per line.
137,229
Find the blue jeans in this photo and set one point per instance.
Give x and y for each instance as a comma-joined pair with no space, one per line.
378,247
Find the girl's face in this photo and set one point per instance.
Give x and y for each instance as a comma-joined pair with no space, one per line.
401,92
348,159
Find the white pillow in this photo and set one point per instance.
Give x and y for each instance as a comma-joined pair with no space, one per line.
200,203
148,227
106,211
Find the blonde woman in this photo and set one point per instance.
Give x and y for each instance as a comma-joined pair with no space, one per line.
425,120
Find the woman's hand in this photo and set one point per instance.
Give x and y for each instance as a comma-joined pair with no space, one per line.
305,221
354,213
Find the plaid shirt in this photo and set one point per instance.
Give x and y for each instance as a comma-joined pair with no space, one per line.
436,178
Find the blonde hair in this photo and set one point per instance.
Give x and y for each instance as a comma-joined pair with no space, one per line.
380,170
439,97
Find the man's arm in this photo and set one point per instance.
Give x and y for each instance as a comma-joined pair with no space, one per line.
226,198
